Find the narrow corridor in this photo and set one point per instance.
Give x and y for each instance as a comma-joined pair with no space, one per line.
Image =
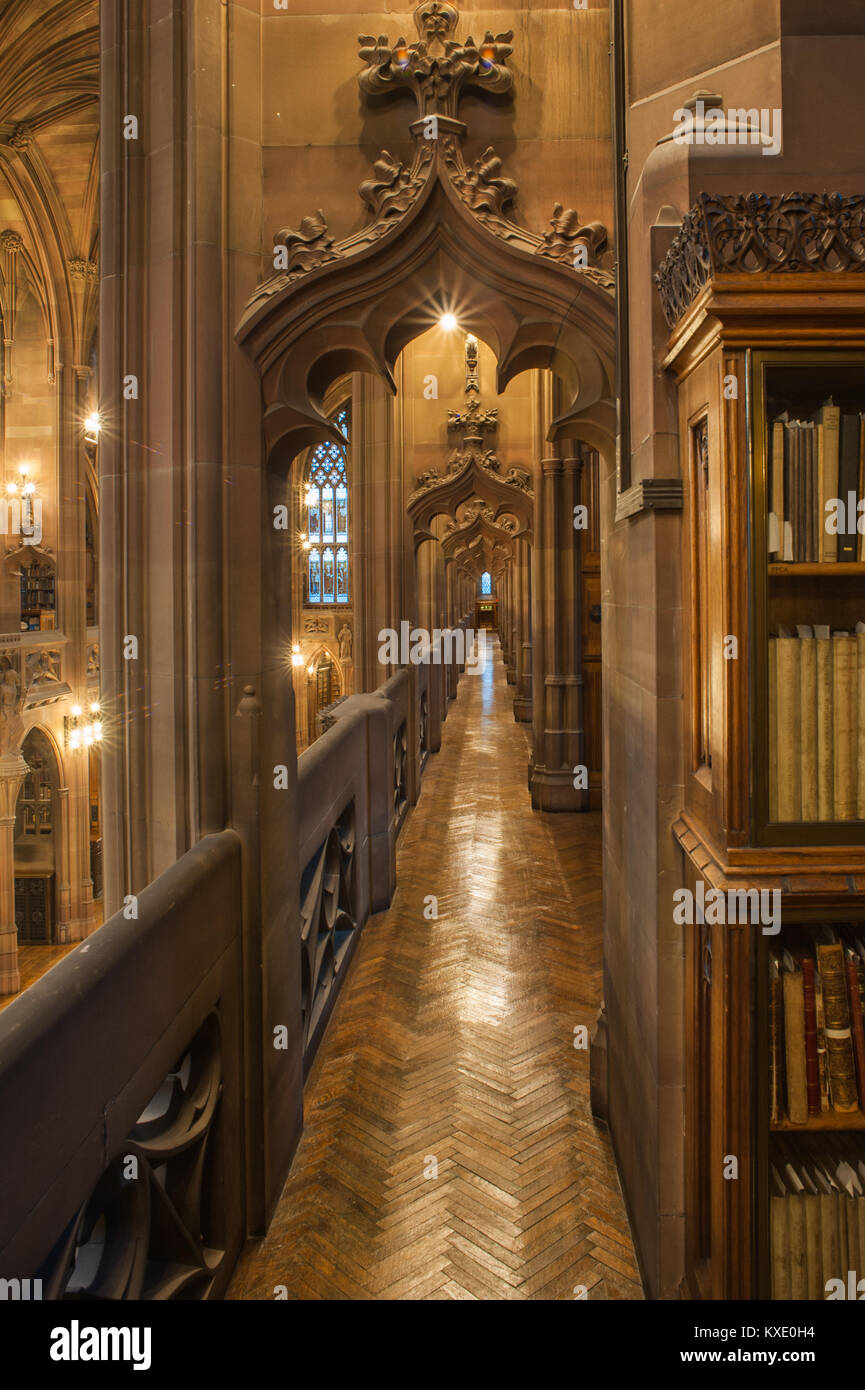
449,1151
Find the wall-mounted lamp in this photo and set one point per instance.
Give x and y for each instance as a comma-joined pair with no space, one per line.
82,730
26,489
297,657
92,427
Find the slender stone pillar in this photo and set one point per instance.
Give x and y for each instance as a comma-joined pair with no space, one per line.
511,620
559,741
13,770
523,696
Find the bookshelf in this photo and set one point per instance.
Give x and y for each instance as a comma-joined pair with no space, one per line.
38,597
747,347
812,1241
808,696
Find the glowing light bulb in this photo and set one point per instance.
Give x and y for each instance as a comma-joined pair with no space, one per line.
11,488
76,711
94,708
448,322
92,423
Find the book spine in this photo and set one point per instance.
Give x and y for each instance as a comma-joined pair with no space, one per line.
808,728
831,444
794,1047
857,1025
779,1212
812,1067
776,1049
789,730
825,734
844,679
860,725
848,481
839,1039
778,483
820,503
822,1054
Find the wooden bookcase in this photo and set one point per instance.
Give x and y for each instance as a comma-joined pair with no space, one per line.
744,339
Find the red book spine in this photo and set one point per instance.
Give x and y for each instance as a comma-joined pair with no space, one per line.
857,1026
812,1065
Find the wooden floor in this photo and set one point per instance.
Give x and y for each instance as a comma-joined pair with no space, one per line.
449,1152
33,963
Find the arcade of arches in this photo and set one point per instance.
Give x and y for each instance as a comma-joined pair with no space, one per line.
345,642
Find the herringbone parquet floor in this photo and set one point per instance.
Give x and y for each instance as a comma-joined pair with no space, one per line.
449,1152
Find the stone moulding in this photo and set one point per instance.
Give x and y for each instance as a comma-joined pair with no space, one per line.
650,495
756,233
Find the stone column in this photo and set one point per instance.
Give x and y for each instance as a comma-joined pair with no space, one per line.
61,864
511,620
523,696
13,770
557,683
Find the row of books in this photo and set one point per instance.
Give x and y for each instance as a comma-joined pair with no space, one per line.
817,1217
817,724
817,1025
812,464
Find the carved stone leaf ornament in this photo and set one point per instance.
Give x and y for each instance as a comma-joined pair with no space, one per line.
439,68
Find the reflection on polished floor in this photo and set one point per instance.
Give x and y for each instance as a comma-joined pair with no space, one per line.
449,1152
33,963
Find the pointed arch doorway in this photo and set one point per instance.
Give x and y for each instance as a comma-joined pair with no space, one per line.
439,243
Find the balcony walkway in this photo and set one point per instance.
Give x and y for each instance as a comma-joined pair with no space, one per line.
448,1150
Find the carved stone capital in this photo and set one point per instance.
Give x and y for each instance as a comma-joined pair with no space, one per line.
79,269
13,770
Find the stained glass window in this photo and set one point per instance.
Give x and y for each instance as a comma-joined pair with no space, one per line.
327,532
486,583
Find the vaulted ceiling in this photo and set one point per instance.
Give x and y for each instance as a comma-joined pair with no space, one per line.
49,174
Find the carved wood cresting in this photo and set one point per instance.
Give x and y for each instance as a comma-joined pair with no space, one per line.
751,233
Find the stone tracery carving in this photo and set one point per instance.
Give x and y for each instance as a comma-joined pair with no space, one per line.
439,68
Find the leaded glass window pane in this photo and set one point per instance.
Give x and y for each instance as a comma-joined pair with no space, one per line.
315,576
327,575
342,575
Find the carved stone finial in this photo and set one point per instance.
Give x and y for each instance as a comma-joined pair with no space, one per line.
438,68
11,241
435,21
474,421
22,137
473,381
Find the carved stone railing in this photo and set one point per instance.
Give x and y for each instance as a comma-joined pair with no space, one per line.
753,233
121,1143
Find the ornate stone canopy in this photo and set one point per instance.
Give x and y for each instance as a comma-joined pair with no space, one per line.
438,238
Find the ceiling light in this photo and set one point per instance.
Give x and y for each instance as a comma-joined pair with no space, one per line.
448,322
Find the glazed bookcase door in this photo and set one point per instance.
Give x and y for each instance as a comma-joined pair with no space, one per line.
804,594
